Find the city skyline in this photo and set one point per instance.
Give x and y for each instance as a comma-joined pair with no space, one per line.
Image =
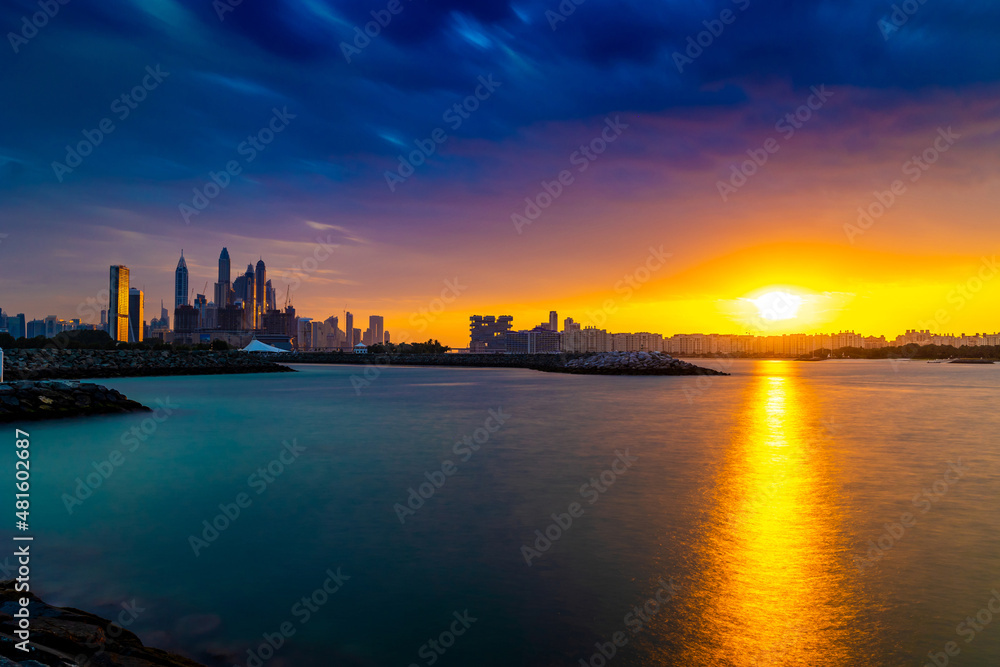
772,308
960,306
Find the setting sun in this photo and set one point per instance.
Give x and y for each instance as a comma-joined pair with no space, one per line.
778,305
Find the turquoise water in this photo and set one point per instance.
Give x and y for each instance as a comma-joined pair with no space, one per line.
755,495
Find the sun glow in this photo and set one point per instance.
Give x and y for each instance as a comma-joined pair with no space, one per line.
778,305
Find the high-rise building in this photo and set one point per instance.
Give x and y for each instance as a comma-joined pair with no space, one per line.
540,340
181,283
350,341
260,293
569,325
185,319
272,298
230,318
16,326
488,333
304,333
334,336
376,324
245,292
553,321
223,288
136,315
104,319
35,328
201,305
118,304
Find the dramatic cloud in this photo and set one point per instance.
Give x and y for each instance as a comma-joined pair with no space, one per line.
698,85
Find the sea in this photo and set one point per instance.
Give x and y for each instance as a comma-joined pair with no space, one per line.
841,513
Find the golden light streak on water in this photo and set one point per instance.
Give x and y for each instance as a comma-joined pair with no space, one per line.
773,584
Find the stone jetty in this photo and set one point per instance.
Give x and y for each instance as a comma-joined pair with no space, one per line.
589,363
635,363
45,363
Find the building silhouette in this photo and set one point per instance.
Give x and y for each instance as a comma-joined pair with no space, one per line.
136,315
488,333
376,335
181,283
260,294
118,299
223,288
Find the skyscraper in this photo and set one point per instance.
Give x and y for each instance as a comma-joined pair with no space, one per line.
223,288
136,315
553,321
272,298
350,340
201,305
248,295
260,294
181,283
16,325
118,304
375,324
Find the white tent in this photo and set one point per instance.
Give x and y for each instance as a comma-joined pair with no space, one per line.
257,346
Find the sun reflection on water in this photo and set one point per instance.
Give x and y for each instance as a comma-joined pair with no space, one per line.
773,585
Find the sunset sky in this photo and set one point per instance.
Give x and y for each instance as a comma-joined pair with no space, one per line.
643,239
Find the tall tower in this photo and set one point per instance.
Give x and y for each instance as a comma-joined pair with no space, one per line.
249,296
181,283
272,298
260,294
223,287
375,325
553,321
118,304
136,315
349,329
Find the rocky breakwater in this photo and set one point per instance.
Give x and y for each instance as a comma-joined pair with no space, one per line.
28,400
594,363
62,636
634,363
78,364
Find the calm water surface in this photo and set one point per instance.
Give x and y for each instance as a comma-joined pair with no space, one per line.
785,504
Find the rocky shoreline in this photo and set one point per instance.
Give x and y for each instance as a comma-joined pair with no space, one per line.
28,400
62,636
583,363
38,364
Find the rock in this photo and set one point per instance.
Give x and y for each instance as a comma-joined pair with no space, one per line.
88,639
28,400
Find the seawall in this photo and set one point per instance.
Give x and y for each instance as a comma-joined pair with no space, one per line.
39,364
